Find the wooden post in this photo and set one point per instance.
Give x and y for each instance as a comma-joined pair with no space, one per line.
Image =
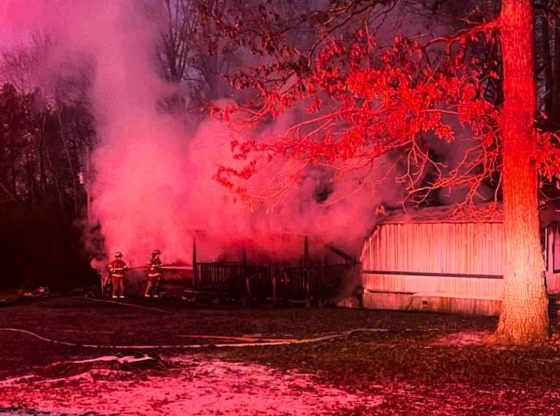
325,281
274,287
195,267
245,277
306,272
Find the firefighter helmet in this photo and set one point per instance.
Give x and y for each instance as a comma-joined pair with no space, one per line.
118,254
156,253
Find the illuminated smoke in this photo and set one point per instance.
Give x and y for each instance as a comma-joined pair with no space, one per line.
153,178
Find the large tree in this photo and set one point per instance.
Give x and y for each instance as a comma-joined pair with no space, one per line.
524,316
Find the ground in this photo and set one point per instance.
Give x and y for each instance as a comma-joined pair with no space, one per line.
196,360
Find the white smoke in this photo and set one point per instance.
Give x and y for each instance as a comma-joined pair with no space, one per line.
154,185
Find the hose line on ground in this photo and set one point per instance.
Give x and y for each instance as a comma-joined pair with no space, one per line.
264,342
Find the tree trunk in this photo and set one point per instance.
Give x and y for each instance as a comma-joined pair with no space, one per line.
524,317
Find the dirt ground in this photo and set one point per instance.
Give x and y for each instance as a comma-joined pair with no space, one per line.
189,360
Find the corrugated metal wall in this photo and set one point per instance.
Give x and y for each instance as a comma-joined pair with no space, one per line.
441,248
553,258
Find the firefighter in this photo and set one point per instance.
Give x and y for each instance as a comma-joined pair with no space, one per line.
117,268
155,270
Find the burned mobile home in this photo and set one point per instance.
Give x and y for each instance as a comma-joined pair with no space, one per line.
446,259
440,259
314,274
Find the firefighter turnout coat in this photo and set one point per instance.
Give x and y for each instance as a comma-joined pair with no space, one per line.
117,268
155,268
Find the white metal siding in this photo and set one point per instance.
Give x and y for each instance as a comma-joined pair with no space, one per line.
464,248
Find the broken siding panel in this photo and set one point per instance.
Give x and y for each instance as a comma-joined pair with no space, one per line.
452,286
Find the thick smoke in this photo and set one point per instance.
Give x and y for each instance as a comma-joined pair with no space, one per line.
153,178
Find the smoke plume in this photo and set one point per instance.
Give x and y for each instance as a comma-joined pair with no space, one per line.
153,183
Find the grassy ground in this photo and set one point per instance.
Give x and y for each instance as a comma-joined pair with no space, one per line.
422,363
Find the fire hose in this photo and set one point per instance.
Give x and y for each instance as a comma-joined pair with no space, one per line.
261,343
130,305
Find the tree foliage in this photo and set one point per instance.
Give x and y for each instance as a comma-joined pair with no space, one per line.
364,97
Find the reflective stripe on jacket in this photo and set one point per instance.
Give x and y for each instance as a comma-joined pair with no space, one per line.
155,268
117,268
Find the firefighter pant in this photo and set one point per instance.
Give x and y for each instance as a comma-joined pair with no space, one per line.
118,285
152,285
